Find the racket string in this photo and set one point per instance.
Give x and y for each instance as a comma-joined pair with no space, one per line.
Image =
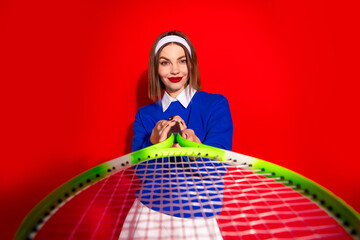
204,187
105,210
82,217
252,206
241,193
188,184
120,214
309,215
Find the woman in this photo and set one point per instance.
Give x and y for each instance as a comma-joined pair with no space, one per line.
203,118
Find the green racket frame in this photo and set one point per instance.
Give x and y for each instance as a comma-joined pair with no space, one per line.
335,206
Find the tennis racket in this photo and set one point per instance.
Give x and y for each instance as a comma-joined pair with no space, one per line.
192,192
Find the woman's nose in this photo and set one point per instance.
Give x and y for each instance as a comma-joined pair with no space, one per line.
174,69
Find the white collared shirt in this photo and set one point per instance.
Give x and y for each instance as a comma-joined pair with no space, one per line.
184,98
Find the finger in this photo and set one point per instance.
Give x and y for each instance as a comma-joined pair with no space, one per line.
180,121
163,123
190,135
163,128
178,118
176,145
154,137
167,125
163,136
163,133
189,131
159,125
182,125
185,134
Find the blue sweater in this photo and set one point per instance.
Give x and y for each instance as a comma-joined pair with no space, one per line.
207,114
165,181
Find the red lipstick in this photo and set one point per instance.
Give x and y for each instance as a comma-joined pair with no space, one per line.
175,79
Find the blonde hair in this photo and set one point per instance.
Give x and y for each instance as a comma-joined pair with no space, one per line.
156,87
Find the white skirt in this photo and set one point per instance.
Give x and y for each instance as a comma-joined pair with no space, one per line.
145,223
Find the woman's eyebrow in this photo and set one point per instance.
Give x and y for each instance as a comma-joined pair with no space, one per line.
169,60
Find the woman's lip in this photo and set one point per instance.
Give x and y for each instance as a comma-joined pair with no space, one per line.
175,79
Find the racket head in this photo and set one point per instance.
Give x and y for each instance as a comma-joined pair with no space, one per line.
279,177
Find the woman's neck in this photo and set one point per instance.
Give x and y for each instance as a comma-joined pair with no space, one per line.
174,94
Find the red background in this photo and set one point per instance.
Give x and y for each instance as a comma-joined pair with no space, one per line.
73,74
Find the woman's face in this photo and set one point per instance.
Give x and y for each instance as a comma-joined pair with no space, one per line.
173,69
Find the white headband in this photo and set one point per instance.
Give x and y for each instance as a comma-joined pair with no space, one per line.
172,38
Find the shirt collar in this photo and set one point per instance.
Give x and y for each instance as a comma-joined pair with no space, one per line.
184,98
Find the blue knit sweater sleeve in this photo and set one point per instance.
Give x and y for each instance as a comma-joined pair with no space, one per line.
141,138
219,125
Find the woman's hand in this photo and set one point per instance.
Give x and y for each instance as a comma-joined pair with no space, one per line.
160,131
186,133
162,128
190,135
179,120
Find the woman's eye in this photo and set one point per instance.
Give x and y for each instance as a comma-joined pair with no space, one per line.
183,61
164,63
